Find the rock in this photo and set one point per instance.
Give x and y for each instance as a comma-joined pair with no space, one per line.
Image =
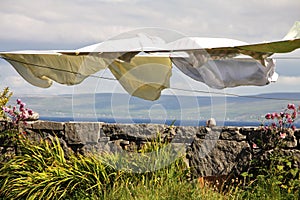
216,157
34,117
211,122
232,134
48,125
82,132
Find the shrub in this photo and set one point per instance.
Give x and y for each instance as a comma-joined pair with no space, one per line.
274,171
4,98
42,171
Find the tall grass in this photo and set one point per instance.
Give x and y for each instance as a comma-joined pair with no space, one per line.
42,171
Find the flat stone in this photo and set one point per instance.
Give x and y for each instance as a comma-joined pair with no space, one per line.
232,135
82,132
47,125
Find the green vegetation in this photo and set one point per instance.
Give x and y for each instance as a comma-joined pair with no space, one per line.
4,98
43,171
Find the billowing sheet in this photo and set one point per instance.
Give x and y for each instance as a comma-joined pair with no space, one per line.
142,63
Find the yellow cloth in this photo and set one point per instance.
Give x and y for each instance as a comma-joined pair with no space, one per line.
41,69
143,76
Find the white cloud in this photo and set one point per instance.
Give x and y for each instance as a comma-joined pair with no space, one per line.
95,20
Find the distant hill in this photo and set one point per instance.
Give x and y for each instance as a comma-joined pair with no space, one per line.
244,108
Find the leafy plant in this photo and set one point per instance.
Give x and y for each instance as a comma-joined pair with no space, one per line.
42,171
274,171
4,98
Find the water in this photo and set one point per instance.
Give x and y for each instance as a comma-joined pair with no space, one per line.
147,121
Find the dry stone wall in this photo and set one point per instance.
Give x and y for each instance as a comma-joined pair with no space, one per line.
210,151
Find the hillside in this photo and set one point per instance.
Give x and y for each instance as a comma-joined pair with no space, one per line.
106,105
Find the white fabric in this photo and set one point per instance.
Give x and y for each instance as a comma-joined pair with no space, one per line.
216,62
224,73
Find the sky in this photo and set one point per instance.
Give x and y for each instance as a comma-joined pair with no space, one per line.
71,24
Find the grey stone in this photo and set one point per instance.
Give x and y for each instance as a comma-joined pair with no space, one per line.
47,125
214,157
103,139
124,142
211,122
34,117
82,133
232,134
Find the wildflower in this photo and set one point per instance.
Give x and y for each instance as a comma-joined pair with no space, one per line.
30,112
254,146
294,115
277,116
290,120
280,122
282,135
5,109
268,116
282,114
291,106
19,101
274,125
22,105
294,127
273,115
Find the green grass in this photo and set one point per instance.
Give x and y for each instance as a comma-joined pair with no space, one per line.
43,171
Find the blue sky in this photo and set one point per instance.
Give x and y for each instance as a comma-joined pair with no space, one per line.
71,24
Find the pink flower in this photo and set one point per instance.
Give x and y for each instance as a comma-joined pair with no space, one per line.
282,135
5,109
30,112
22,105
290,120
268,116
273,115
274,125
294,127
277,115
291,106
254,146
281,114
19,101
280,122
294,115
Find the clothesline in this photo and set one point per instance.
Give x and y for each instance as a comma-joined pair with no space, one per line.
174,88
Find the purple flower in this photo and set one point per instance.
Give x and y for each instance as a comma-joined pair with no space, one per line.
19,101
5,109
22,105
268,116
294,115
273,115
30,112
291,106
282,135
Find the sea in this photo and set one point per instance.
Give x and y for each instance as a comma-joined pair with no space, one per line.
149,121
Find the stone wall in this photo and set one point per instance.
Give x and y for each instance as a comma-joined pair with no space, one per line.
210,151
